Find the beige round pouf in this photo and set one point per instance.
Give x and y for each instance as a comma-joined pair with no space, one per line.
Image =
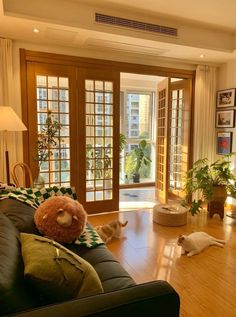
170,215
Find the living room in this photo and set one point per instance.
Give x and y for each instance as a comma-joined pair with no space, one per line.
76,39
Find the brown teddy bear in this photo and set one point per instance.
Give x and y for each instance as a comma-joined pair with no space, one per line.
61,218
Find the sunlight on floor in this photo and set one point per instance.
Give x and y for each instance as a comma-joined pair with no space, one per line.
137,198
135,205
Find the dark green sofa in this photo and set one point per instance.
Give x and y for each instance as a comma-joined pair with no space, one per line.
121,297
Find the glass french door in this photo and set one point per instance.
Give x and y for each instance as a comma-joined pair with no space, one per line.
162,140
179,115
49,90
101,139
86,104
173,137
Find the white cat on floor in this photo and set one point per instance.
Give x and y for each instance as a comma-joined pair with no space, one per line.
195,242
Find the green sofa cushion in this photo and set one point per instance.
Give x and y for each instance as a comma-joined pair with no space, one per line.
56,272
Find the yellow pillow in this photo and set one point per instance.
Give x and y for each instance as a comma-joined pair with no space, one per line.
56,272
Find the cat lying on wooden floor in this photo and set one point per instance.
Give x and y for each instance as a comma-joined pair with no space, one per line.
110,230
195,242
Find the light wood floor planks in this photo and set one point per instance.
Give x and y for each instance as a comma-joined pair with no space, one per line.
206,282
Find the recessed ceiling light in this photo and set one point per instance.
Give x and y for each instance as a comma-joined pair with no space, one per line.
36,30
201,56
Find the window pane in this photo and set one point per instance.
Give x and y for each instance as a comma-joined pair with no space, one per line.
63,82
137,123
138,116
41,81
98,85
52,82
108,86
89,85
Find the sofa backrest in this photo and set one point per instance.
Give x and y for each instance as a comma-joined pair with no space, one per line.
21,215
14,294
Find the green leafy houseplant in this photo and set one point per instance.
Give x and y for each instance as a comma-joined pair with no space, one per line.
122,142
47,139
141,157
202,179
108,151
102,163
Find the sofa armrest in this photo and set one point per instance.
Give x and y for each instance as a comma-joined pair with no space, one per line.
138,300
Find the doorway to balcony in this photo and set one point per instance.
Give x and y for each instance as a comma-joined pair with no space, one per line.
155,119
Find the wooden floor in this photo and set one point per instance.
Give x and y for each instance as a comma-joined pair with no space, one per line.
205,282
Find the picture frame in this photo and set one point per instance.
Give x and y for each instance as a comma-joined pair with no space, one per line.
225,98
225,119
224,142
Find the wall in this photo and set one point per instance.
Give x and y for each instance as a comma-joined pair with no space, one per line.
226,78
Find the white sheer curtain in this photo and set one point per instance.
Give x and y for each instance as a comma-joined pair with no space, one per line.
7,98
204,113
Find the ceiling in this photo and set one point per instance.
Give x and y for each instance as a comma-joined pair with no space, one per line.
205,27
216,12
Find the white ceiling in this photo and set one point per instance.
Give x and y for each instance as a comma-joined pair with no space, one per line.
205,27
220,13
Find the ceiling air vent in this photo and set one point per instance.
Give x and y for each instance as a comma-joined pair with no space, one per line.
137,25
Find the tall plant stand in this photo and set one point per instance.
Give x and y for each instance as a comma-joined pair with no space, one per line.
217,203
216,207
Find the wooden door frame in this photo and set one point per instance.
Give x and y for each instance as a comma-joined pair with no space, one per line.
27,56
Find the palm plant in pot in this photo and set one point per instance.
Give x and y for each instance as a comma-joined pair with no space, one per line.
211,182
141,157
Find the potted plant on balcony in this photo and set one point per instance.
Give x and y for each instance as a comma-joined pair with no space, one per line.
211,182
141,157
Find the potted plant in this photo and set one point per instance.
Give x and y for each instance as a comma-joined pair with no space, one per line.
211,182
47,139
141,157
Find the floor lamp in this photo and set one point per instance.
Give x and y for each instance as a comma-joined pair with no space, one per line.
9,121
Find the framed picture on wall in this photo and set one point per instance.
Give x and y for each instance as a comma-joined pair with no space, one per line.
224,118
224,142
225,98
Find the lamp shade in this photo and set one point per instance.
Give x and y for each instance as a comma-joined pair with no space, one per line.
9,120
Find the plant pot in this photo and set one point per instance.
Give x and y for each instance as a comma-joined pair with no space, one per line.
39,182
136,177
217,202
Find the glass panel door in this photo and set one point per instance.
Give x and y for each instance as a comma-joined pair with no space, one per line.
51,94
179,135
53,101
99,139
101,110
162,140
